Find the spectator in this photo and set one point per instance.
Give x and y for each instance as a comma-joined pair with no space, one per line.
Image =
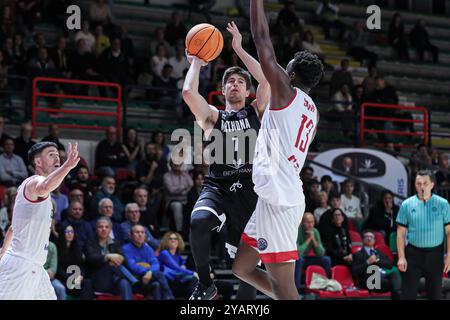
24,142
42,64
369,256
351,205
109,154
327,185
443,174
39,42
83,65
12,168
177,184
7,210
84,183
420,40
290,48
107,190
70,255
434,154
28,12
144,264
60,56
115,64
370,82
328,16
51,266
422,156
133,148
203,6
310,248
149,208
101,41
337,243
133,215
175,30
159,39
323,206
397,37
5,98
181,280
53,136
326,225
357,41
150,171
167,92
306,174
7,22
341,77
83,229
159,60
3,135
62,202
105,263
312,195
127,43
19,54
77,195
288,19
385,92
106,209
194,193
179,63
87,36
383,215
100,13
159,139
344,109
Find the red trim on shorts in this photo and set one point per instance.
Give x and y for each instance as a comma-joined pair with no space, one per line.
249,241
288,105
277,257
32,201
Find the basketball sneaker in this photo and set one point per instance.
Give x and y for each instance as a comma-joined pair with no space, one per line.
202,292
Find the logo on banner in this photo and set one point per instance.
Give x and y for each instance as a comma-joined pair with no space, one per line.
362,165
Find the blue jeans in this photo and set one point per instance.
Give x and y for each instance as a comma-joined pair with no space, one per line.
304,262
60,290
164,289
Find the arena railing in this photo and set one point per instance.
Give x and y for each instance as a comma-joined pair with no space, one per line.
94,113
424,134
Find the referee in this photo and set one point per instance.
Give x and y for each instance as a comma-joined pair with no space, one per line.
422,220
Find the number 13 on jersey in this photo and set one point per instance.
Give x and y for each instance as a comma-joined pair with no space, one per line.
303,133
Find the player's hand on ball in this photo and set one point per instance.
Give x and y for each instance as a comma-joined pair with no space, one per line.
192,58
72,156
237,36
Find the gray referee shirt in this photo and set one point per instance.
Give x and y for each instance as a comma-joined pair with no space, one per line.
425,221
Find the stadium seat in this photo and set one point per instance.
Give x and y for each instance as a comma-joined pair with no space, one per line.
384,249
355,249
123,174
2,195
351,226
379,238
343,275
109,296
380,294
320,293
355,237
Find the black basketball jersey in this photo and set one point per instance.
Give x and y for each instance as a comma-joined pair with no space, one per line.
239,131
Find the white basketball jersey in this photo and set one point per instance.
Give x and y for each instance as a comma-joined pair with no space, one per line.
31,223
281,151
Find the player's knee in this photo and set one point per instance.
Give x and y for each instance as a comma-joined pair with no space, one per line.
200,222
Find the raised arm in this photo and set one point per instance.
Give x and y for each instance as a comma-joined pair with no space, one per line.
40,187
205,115
253,66
280,84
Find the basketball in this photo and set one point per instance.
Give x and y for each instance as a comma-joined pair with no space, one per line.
204,41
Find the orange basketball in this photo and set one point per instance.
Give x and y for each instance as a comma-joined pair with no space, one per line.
204,41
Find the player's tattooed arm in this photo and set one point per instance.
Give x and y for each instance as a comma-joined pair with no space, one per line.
40,187
253,66
205,114
280,84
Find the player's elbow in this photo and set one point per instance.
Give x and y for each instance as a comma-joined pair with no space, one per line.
188,93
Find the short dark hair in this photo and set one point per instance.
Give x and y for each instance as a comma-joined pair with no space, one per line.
37,149
239,71
428,173
308,68
326,178
348,181
368,231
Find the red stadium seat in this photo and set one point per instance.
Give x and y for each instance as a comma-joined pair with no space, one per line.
123,174
379,238
109,296
384,249
351,226
2,195
321,293
380,294
355,238
343,275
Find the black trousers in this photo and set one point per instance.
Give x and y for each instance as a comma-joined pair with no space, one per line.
427,262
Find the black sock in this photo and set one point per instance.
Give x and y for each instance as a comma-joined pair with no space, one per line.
203,275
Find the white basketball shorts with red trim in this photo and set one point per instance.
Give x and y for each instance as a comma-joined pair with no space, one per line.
273,230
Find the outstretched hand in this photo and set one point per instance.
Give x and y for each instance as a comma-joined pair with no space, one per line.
72,156
237,36
192,58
